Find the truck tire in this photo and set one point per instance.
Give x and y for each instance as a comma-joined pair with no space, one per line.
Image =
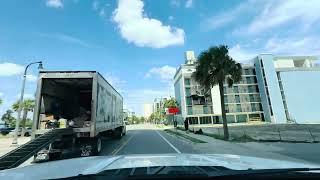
118,133
97,146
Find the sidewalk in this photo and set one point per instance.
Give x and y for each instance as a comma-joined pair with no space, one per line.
5,144
276,150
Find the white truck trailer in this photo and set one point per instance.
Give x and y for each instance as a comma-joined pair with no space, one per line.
79,100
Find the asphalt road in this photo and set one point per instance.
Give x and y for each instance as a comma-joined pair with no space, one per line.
146,142
151,140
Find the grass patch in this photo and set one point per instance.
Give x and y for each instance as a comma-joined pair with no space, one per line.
195,140
181,128
243,138
216,136
160,126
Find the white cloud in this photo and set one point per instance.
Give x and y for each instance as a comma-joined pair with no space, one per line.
293,46
54,3
137,28
95,5
115,81
10,69
239,54
31,78
276,13
69,39
164,73
1,94
228,16
189,3
175,3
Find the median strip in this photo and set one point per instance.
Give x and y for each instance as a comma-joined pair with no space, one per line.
192,139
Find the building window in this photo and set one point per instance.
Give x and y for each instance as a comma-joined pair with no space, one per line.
237,97
248,79
225,99
226,108
251,98
189,101
250,89
188,92
225,90
187,81
247,71
205,120
189,110
241,118
238,107
253,107
236,89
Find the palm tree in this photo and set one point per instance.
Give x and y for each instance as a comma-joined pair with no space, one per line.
215,67
27,105
170,103
1,101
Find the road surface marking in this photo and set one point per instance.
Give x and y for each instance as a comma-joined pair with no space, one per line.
177,150
118,149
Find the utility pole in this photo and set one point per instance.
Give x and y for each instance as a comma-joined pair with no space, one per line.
15,139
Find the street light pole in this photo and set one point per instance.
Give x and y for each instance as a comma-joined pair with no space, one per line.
15,139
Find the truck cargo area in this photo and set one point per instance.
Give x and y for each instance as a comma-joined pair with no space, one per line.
68,99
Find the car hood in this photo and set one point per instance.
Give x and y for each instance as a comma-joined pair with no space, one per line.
92,165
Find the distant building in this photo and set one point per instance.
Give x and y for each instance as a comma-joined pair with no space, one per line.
147,109
272,89
158,103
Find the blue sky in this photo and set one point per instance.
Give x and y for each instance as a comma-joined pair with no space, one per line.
137,45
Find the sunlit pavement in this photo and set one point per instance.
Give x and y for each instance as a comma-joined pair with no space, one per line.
5,144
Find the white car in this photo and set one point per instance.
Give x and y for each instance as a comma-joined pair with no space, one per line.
164,166
27,132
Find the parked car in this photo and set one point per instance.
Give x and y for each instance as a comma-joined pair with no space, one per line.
6,130
27,132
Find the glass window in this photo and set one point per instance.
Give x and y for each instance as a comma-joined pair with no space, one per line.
241,118
236,89
237,97
188,91
253,107
248,80
225,99
226,108
189,101
189,110
251,98
187,81
230,119
238,107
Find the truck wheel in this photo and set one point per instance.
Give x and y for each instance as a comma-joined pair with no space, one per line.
118,133
97,146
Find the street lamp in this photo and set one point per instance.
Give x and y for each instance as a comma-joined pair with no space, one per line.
15,139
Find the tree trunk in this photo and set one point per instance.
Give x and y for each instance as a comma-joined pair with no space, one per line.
223,111
23,122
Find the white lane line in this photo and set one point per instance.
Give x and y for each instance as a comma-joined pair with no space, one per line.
118,149
177,150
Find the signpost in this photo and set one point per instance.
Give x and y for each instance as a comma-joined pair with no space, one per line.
172,111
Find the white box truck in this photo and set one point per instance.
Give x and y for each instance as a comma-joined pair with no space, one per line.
79,100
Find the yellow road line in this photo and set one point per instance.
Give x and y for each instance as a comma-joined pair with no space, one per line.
118,149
